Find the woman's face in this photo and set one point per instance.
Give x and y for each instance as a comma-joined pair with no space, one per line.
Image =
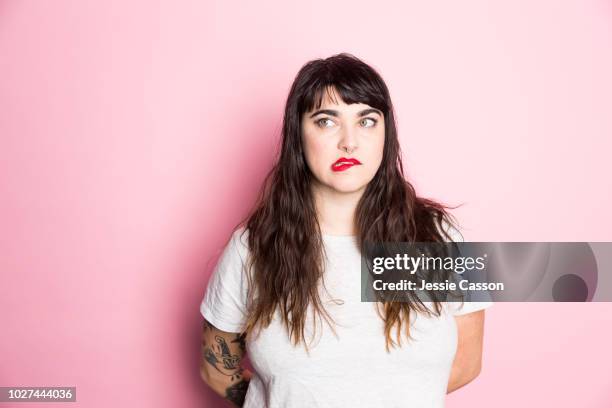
343,144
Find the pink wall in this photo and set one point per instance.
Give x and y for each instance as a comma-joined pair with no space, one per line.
117,119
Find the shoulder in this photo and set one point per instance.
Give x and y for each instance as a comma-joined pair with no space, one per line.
239,241
233,257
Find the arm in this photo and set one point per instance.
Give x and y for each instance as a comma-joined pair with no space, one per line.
220,368
468,360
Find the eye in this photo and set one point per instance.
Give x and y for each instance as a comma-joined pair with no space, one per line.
324,122
368,122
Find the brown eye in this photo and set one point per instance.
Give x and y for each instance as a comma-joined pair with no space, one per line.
368,122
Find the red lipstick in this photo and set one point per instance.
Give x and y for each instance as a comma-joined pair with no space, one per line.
343,163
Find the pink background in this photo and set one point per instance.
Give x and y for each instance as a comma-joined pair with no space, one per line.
135,135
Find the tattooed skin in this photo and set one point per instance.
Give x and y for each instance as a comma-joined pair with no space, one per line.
237,392
217,353
240,340
208,326
219,356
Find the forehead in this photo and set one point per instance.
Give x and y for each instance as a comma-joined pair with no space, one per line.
331,99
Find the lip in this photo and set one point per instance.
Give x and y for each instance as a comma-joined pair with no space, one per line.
347,163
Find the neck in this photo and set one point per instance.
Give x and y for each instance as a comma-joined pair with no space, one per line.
336,210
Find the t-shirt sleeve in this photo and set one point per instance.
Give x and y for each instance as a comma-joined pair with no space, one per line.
462,308
224,302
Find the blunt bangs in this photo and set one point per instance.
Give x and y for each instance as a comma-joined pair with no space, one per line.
342,76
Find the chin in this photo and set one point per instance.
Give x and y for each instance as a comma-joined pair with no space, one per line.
348,187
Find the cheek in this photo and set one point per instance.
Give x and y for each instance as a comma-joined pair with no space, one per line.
374,148
316,151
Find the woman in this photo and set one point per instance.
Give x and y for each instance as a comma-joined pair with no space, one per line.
287,286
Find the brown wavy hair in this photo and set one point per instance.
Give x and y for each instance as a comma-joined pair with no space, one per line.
286,266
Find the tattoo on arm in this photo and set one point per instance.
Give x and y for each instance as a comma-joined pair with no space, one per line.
219,356
236,393
240,339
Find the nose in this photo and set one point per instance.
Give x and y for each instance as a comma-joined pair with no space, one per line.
348,142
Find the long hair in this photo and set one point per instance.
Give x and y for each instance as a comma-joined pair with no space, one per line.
285,245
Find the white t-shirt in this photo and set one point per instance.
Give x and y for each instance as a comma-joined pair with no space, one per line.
350,370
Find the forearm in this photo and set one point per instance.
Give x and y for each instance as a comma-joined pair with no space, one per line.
461,376
233,387
468,358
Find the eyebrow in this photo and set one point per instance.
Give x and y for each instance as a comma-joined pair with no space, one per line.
335,113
